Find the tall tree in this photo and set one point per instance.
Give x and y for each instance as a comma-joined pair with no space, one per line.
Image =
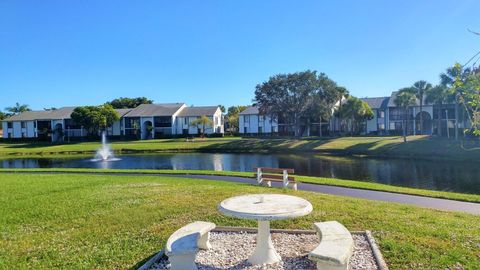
95,118
291,97
438,95
2,116
128,103
233,115
419,90
455,75
18,108
202,122
404,99
357,111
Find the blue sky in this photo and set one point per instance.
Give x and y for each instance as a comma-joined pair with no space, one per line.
58,53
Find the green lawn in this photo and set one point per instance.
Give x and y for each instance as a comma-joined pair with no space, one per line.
84,221
305,179
418,147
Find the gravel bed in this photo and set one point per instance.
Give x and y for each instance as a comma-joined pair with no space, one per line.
230,250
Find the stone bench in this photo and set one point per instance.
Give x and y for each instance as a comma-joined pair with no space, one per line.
335,248
183,245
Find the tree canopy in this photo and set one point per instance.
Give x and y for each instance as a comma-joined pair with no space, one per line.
95,118
128,103
298,96
18,108
202,122
404,99
233,115
357,111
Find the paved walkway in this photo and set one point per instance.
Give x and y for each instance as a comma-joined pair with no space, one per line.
440,204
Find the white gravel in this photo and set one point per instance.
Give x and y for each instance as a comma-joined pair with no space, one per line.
230,250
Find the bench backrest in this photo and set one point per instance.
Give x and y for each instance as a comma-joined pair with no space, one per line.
273,170
274,176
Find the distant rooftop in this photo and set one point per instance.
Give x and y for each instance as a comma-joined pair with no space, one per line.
377,102
250,110
198,111
146,110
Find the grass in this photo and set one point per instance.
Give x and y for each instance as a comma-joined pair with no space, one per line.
418,147
306,179
84,221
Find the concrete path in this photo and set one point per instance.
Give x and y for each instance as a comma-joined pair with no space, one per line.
440,204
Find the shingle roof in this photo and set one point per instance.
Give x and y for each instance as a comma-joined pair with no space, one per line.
155,110
250,110
198,111
61,113
122,112
377,102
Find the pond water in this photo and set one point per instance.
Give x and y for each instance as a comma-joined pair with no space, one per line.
459,176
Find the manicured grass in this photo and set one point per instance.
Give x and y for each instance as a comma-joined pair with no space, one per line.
305,179
78,221
418,147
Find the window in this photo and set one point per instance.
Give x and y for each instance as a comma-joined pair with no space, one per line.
23,124
132,122
163,121
9,135
10,125
185,121
398,125
260,130
381,114
35,124
245,129
381,127
246,119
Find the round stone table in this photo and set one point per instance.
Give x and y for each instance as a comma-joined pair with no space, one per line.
264,208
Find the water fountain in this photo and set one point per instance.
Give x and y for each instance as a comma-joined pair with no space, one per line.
104,153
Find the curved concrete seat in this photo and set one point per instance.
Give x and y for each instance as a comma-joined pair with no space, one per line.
183,245
335,248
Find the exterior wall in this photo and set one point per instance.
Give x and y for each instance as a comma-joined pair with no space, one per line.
143,127
175,121
115,129
257,123
372,124
185,123
5,129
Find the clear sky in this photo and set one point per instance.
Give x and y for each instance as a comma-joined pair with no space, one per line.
59,53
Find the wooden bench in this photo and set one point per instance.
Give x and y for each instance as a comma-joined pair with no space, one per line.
265,176
335,248
183,245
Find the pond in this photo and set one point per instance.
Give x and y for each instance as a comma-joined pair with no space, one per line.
458,176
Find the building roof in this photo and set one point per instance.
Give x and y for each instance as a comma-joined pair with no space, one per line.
122,112
61,113
198,111
250,110
377,102
391,103
143,110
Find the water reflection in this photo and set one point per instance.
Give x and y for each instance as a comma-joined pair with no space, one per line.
437,175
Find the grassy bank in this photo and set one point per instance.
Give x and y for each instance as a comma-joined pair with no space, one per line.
97,221
418,147
305,179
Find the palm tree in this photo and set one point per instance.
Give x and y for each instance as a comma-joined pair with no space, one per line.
448,79
419,89
202,121
438,95
404,99
17,109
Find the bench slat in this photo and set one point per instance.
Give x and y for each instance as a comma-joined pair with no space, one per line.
276,177
274,170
